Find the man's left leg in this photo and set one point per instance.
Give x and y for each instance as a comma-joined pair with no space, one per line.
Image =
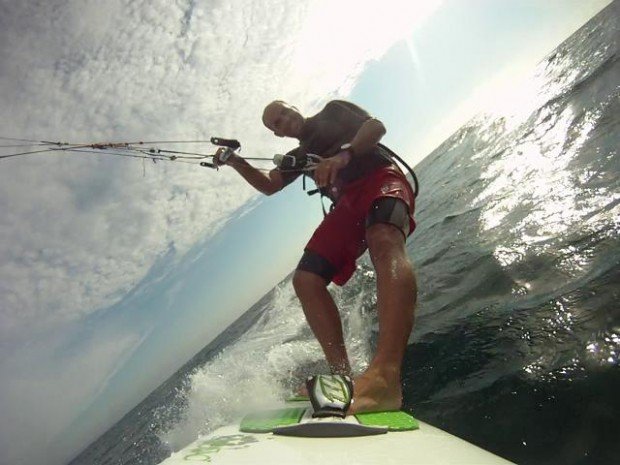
379,387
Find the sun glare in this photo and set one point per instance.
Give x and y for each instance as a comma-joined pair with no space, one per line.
340,37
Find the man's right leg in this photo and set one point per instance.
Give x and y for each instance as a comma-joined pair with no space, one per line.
323,317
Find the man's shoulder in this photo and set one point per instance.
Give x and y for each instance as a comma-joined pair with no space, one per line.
340,104
344,106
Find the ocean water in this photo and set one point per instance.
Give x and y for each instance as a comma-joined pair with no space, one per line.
517,252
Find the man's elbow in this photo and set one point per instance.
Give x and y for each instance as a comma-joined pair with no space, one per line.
273,183
380,128
375,127
270,189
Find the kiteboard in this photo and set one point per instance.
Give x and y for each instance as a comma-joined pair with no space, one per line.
309,431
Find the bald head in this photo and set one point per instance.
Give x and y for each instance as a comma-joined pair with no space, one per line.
283,119
270,110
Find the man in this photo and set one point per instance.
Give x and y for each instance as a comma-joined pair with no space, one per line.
374,206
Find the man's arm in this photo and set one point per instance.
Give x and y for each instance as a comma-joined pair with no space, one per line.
266,183
370,132
367,136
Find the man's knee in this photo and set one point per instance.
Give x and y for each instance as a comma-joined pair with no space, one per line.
384,241
312,270
306,283
391,211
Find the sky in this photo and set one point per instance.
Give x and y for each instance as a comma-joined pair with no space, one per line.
110,265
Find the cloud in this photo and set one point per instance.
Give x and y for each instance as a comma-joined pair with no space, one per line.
79,231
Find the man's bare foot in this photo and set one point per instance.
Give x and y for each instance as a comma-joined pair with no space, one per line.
377,390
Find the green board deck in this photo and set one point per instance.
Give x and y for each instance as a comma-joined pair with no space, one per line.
270,420
266,421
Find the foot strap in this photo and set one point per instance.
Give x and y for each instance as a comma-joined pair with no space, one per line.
330,395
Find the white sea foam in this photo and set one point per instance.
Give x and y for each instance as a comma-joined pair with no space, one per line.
267,363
